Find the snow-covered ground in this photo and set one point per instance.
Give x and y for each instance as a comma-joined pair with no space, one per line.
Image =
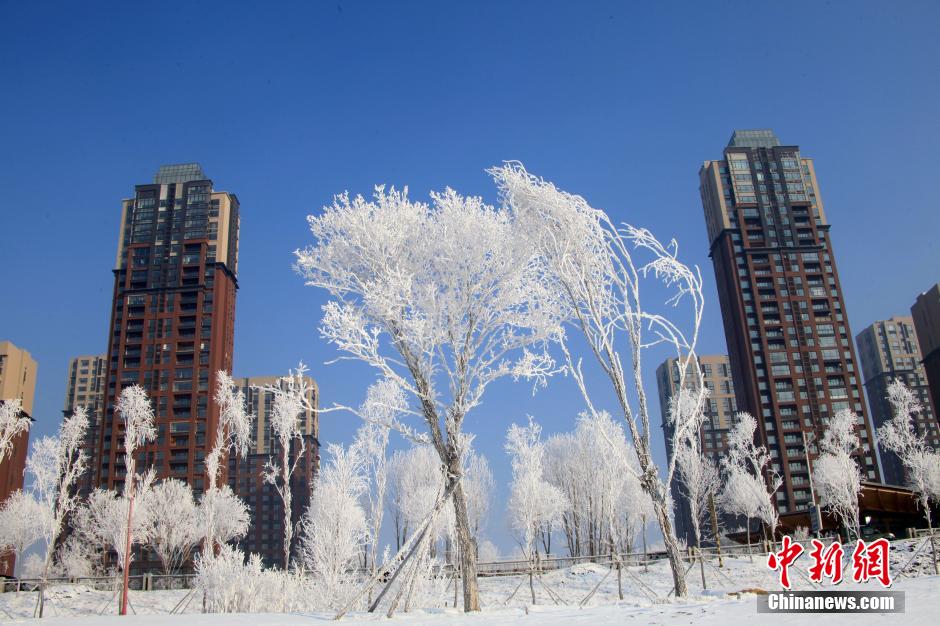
728,600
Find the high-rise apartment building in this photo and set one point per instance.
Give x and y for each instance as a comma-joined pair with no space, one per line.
789,342
172,320
84,387
17,382
266,534
889,351
926,314
719,419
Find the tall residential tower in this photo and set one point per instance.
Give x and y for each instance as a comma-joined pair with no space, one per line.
889,351
787,330
172,320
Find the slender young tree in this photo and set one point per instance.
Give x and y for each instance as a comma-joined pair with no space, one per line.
589,262
12,423
134,407
700,479
442,300
290,403
921,463
750,480
55,465
383,401
836,475
233,432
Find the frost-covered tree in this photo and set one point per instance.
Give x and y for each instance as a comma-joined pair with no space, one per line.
750,480
289,404
230,516
19,527
443,299
479,488
534,503
921,463
589,261
175,527
595,467
137,412
54,466
700,480
335,529
12,423
416,480
102,521
836,474
232,433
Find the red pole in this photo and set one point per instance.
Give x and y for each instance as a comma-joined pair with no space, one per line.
127,555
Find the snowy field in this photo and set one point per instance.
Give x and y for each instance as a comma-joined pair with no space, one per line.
728,600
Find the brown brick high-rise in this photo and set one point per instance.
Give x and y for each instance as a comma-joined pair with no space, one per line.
786,326
172,320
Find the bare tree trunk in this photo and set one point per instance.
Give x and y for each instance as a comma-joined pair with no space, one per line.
701,559
468,551
933,545
127,553
715,533
750,556
672,548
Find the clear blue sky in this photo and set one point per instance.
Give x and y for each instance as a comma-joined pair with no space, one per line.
285,104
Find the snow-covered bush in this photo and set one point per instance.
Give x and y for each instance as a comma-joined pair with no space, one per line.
232,584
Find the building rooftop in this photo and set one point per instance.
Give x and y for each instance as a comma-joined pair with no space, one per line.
179,173
755,138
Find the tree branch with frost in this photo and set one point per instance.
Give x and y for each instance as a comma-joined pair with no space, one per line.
12,423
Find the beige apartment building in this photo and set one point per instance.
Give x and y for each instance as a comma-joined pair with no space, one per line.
716,375
84,387
17,381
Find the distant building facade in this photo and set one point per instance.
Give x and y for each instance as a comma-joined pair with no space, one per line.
889,351
17,382
84,387
719,419
266,534
789,342
926,315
